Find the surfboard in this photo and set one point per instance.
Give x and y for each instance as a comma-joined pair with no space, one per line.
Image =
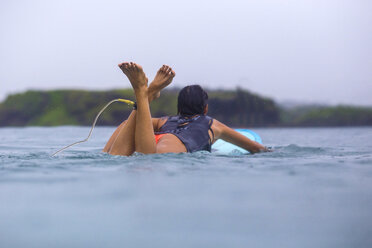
225,148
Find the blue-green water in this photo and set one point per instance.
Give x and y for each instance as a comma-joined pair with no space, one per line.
314,190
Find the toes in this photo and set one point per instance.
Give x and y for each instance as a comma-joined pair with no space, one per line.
123,67
136,67
166,69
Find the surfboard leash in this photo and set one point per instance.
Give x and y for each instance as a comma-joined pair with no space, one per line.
129,102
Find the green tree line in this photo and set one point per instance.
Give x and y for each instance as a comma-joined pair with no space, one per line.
237,108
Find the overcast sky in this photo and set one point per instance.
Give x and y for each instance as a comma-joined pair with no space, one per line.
310,51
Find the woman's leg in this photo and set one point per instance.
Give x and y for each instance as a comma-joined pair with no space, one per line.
122,142
114,136
125,145
144,132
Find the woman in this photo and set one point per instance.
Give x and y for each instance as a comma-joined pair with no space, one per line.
191,130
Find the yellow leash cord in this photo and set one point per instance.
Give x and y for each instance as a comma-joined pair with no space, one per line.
129,102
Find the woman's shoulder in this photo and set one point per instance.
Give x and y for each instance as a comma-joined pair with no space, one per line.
218,127
216,122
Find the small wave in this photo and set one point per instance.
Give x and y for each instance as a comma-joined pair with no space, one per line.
292,148
364,161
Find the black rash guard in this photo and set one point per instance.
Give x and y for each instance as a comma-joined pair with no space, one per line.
192,131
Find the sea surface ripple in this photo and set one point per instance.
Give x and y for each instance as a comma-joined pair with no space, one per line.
313,190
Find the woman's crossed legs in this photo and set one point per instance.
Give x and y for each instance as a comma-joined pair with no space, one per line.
137,132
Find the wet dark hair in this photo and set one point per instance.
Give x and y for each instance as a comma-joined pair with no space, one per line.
192,100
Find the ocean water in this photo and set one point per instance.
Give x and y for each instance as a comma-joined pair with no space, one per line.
314,190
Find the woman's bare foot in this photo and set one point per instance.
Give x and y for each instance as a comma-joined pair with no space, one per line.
135,75
163,78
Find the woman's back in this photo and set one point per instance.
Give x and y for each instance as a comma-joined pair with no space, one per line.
194,132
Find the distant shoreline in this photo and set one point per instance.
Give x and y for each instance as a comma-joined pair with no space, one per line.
237,108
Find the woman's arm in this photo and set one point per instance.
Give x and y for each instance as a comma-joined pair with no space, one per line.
221,131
